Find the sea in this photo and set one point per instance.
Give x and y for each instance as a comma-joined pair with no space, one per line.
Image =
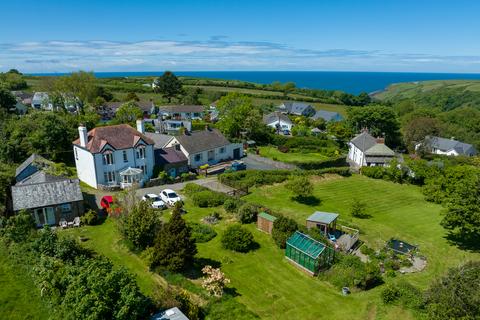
351,82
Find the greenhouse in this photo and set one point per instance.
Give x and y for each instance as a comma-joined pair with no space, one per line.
307,253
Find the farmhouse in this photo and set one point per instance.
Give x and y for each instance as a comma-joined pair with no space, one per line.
327,116
449,147
47,197
365,150
114,156
182,112
207,146
307,253
265,222
297,108
278,121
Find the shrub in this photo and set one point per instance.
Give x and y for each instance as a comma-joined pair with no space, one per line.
187,176
251,178
301,187
283,228
192,188
231,205
237,238
390,294
214,281
358,209
202,232
403,293
90,218
247,213
19,227
208,198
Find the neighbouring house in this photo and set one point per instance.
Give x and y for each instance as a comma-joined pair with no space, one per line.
365,150
449,147
114,156
170,314
297,108
190,112
265,222
23,101
308,254
47,197
327,116
41,100
207,146
109,109
172,127
279,121
169,159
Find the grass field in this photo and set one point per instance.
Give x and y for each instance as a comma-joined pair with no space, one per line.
273,153
19,297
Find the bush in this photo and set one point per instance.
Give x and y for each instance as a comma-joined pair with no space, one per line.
390,294
403,293
208,199
201,232
90,218
358,209
253,178
192,188
300,186
283,228
237,238
247,213
323,164
231,205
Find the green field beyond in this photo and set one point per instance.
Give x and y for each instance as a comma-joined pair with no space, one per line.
273,153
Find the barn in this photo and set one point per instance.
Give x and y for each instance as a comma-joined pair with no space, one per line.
265,222
307,253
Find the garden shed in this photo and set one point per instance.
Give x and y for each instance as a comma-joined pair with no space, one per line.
326,222
265,222
307,253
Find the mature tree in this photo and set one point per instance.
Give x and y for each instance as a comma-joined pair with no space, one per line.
14,71
289,87
283,228
456,295
168,85
379,120
77,88
7,100
237,238
19,227
214,280
417,129
300,187
128,113
140,224
132,96
7,175
191,96
174,246
363,99
340,130
13,81
239,118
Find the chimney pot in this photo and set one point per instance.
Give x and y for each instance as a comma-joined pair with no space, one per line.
140,126
82,132
380,140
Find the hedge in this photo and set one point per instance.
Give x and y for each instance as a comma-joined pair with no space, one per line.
329,163
208,199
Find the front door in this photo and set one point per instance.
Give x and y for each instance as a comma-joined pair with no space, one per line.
236,153
50,215
172,172
211,155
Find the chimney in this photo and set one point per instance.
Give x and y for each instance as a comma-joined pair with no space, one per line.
82,132
140,126
381,140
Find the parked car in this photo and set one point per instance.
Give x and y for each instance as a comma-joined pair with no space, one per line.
170,197
236,166
155,200
286,132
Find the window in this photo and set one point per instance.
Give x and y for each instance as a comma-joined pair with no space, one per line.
140,152
222,150
198,157
144,169
76,153
125,156
66,207
109,176
108,158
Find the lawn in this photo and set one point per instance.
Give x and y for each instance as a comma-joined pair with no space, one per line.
273,153
19,297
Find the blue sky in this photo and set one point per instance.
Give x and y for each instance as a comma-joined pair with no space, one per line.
354,35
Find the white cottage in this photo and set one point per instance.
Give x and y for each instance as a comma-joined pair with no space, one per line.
206,146
278,121
114,156
365,150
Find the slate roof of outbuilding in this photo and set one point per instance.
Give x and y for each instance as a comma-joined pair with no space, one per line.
120,136
198,141
38,195
379,149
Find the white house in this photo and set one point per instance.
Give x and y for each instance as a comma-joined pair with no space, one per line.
114,156
182,112
206,146
41,100
278,121
449,147
297,108
365,150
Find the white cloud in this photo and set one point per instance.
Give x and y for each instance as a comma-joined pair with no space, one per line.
216,54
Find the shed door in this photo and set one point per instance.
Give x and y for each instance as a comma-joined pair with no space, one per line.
50,215
236,153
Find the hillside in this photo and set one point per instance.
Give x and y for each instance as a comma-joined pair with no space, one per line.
444,94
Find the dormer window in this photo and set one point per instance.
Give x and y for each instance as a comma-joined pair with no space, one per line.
140,152
107,157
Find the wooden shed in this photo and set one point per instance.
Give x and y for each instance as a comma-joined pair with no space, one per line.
326,222
265,222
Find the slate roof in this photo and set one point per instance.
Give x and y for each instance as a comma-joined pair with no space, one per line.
39,177
451,144
169,156
120,136
327,115
170,314
160,140
276,116
323,217
294,107
38,195
39,97
379,149
181,108
198,141
33,158
364,141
